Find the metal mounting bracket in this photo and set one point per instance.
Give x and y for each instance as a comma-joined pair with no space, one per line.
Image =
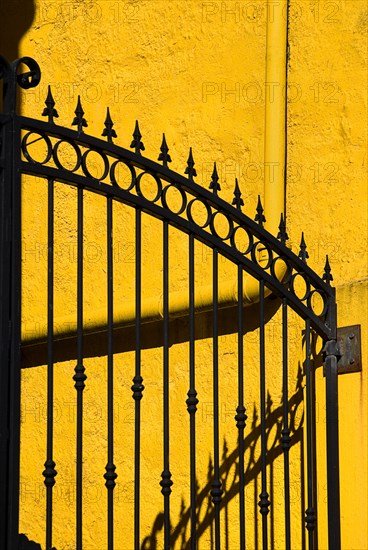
349,341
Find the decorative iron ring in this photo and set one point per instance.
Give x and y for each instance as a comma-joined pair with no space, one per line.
24,147
132,172
183,196
213,229
30,79
307,284
105,161
309,302
289,270
56,159
189,212
253,254
157,180
250,238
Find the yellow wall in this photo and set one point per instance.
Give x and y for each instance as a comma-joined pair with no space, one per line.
196,71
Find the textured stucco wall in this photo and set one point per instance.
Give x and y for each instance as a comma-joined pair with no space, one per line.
196,71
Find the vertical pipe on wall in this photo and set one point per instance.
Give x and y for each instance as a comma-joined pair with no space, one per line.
275,113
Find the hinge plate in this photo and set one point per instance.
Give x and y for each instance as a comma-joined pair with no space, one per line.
348,339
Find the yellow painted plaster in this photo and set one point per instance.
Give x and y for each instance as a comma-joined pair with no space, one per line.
196,71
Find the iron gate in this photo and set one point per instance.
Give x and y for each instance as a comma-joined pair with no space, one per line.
263,257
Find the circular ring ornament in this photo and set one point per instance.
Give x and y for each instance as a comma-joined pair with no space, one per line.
131,169
215,231
76,150
85,167
190,214
313,307
307,286
236,245
158,182
254,255
182,195
25,146
30,79
289,270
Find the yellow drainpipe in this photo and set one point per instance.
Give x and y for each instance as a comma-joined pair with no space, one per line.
275,113
274,198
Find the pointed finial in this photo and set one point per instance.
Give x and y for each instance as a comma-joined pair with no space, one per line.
164,155
237,200
137,143
190,170
327,277
108,131
49,110
259,216
303,254
79,121
282,235
214,185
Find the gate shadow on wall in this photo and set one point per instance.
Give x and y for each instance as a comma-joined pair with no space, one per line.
230,483
151,335
124,341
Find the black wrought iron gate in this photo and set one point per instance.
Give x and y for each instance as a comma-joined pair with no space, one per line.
265,258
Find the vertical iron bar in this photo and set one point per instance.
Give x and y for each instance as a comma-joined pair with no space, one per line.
15,374
192,400
166,482
255,514
79,376
10,297
110,474
285,432
241,416
49,472
314,449
216,491
264,502
332,353
6,187
310,518
137,387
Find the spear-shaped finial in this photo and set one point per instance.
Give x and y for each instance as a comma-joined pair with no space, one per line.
108,131
237,200
190,170
214,185
259,216
79,121
282,235
164,155
49,110
303,254
327,277
137,143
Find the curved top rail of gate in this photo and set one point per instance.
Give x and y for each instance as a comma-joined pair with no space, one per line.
239,227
